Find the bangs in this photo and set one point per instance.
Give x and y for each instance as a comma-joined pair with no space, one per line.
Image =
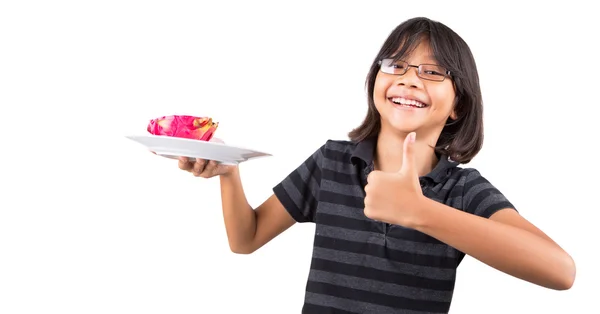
405,39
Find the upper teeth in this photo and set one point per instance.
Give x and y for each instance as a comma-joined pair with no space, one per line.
410,102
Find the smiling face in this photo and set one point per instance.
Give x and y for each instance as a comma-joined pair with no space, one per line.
409,103
399,103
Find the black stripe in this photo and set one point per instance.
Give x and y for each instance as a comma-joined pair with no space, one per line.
382,275
337,198
377,298
334,155
308,200
288,203
469,184
347,222
495,207
314,168
366,224
385,264
384,252
473,205
343,178
305,186
342,210
402,233
455,193
318,309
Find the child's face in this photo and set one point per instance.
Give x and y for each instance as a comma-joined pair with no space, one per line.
438,98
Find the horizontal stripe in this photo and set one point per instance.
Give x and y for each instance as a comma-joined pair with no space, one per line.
333,304
384,264
340,146
371,233
345,179
482,200
342,189
334,155
321,309
341,210
337,198
387,288
360,222
490,210
364,266
376,298
288,203
419,287
384,252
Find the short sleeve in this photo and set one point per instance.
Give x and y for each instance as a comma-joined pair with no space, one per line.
481,198
299,191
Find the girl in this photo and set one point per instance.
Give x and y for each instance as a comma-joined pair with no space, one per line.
394,212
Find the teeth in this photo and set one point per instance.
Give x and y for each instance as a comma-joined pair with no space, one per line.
407,102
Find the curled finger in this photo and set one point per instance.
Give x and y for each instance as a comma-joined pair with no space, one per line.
199,166
209,169
185,164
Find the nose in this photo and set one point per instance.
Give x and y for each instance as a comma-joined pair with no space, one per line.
410,78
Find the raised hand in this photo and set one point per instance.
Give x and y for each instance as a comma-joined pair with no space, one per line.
395,197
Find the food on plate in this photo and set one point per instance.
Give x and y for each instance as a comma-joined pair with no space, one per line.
184,126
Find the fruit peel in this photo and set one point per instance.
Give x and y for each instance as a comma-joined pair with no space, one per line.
184,126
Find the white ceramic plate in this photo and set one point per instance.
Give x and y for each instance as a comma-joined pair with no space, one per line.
174,147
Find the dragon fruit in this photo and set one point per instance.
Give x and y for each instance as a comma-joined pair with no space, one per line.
196,128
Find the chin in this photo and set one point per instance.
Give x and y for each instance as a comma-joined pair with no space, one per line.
402,127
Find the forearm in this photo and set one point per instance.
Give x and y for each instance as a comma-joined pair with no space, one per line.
239,217
512,250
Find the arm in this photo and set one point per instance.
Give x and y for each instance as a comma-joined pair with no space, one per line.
249,229
506,242
486,226
294,199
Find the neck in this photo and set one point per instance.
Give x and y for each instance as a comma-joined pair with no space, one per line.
389,153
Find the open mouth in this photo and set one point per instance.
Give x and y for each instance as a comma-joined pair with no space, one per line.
409,103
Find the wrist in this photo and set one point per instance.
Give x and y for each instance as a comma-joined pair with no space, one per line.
422,213
231,173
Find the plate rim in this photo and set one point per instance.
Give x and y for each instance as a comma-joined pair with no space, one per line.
133,136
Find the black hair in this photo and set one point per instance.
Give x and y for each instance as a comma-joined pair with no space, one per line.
460,139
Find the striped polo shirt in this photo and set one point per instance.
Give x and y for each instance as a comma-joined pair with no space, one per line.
364,266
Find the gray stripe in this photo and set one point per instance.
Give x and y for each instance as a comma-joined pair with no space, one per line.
473,191
391,289
448,186
340,188
295,195
384,264
338,166
308,177
343,210
490,200
355,306
410,247
341,147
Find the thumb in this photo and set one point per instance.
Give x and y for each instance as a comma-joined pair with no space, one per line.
408,156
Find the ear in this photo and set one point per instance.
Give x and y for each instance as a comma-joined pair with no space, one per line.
453,115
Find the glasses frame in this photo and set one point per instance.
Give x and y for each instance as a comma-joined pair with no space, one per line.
447,73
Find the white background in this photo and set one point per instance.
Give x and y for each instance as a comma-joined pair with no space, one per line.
90,222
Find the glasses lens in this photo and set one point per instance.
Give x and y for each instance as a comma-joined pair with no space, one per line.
433,72
390,67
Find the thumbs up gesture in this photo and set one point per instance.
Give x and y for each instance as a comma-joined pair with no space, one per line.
395,197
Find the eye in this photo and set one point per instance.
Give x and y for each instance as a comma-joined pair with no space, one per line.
433,72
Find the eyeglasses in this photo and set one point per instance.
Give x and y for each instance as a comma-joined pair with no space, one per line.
431,72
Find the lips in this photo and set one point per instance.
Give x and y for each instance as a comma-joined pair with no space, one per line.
407,102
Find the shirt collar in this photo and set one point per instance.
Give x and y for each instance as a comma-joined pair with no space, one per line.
365,149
